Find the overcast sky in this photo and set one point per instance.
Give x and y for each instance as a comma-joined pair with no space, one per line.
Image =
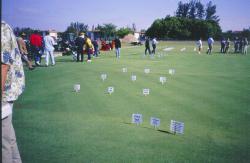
57,14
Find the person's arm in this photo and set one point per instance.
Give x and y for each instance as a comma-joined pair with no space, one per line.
4,70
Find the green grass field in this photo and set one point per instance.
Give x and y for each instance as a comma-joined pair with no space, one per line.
210,94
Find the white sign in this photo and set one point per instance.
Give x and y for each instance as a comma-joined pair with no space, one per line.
133,77
77,87
163,79
183,49
171,71
110,90
146,70
103,76
137,118
155,122
194,49
124,69
145,92
177,127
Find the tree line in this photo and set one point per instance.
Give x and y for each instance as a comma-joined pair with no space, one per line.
192,20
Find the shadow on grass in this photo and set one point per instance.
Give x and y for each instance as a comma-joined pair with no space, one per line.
65,60
150,128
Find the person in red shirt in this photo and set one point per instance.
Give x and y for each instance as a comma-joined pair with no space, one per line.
36,46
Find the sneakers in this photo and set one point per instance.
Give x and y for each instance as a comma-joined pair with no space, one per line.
89,61
37,63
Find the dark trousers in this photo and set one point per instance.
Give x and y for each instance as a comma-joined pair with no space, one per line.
147,49
36,53
210,47
96,51
222,49
88,53
154,47
79,53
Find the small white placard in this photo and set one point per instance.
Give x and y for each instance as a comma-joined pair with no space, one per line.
183,49
77,87
155,122
133,77
103,76
137,118
146,70
145,91
163,79
110,90
177,127
124,69
171,71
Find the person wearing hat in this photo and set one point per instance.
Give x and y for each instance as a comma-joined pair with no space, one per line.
23,50
79,45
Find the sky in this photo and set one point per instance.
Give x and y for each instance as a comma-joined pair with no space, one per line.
58,14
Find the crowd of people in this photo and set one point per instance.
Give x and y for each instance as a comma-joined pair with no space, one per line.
240,45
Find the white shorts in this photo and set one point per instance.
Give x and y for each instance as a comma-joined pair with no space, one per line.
6,109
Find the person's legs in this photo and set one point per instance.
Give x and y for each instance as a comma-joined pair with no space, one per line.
52,57
116,52
153,51
10,152
25,58
119,51
78,55
245,49
89,54
47,58
81,56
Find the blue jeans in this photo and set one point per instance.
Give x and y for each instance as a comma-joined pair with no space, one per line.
89,54
36,53
117,52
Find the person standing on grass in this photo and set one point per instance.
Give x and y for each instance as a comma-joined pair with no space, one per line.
223,45
88,47
245,46
117,47
23,50
36,46
147,46
95,44
154,42
199,45
210,42
79,45
227,45
12,85
49,49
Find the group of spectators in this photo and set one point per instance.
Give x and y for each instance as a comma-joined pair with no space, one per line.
37,46
85,45
240,45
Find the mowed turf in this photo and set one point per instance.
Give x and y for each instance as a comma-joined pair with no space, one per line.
210,94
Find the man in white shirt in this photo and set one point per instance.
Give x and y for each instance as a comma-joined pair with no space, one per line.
154,42
49,49
210,42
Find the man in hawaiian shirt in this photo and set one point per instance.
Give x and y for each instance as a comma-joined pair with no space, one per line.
12,76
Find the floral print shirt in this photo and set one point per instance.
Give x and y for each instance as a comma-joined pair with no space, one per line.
10,55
